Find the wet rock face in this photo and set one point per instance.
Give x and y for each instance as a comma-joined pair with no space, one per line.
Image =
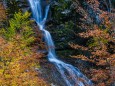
24,5
59,24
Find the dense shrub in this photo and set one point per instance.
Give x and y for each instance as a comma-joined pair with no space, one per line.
18,60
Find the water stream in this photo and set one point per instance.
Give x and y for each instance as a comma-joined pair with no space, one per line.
71,75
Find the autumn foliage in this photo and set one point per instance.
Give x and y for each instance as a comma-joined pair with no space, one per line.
100,42
85,26
18,58
2,14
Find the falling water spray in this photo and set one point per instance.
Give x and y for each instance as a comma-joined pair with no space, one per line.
71,75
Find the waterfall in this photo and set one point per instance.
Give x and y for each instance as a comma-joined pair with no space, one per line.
71,75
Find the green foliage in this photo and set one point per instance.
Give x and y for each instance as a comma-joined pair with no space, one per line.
97,41
66,29
64,34
17,58
20,24
60,7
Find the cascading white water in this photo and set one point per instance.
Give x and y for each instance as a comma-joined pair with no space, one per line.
71,75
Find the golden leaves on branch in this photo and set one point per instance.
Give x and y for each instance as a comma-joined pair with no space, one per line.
75,46
99,75
82,57
18,59
18,64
